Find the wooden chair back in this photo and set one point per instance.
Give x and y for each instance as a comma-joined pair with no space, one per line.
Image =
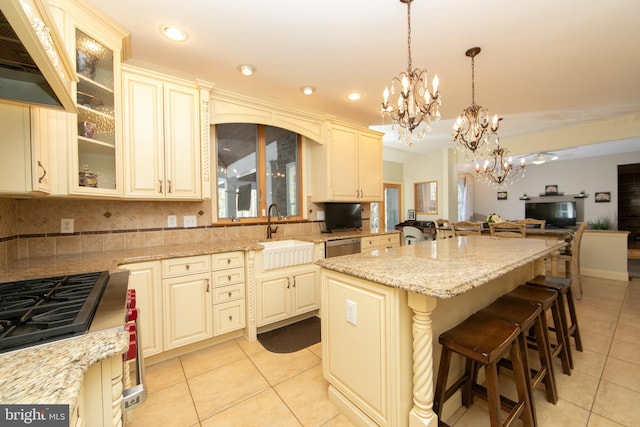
507,229
443,228
575,259
466,228
532,221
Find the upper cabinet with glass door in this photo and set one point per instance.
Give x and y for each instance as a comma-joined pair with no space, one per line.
97,45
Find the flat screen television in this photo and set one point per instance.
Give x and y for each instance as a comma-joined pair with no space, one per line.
559,214
342,216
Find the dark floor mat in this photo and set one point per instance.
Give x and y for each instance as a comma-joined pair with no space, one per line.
292,337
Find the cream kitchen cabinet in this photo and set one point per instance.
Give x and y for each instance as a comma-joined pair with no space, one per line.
348,166
25,160
146,279
187,300
380,242
162,123
287,293
228,292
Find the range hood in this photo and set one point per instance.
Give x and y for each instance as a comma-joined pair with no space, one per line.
35,68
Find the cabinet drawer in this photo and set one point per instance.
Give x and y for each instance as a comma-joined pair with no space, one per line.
228,277
189,265
389,241
369,242
228,293
228,317
227,260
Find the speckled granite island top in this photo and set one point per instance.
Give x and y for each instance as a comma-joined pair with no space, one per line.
53,373
443,268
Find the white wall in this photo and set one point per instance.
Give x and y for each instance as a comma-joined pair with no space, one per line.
572,176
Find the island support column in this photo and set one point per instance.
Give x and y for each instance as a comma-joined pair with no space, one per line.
422,415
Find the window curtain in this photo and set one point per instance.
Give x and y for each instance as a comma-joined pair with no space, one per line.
465,196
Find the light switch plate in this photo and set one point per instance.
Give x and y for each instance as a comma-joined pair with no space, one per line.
172,221
189,221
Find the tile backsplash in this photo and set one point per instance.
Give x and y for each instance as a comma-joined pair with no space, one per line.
31,227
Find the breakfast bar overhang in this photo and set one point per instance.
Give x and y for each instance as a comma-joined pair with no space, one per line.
382,313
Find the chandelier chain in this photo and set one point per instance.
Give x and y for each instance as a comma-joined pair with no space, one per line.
473,80
409,32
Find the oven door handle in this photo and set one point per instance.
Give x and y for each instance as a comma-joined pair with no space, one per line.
134,396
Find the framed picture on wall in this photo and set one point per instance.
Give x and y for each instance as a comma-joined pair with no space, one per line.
551,189
411,215
502,195
603,197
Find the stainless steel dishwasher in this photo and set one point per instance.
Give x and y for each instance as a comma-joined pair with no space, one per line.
341,247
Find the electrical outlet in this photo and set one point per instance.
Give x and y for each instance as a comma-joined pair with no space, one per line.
189,221
352,311
66,225
172,221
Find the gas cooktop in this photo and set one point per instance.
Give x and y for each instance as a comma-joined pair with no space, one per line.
41,310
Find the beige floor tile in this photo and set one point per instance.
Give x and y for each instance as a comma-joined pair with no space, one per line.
622,373
249,348
628,333
595,312
277,368
263,410
222,388
164,374
600,326
306,396
209,358
562,414
596,420
316,349
339,421
588,362
171,406
629,319
579,388
595,342
624,350
618,404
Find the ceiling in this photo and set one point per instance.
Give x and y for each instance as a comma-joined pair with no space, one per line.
543,65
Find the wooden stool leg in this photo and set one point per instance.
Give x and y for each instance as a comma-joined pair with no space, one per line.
563,322
493,394
560,337
521,386
441,384
546,361
574,320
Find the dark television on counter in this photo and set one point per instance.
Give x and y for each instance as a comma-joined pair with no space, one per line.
559,214
342,216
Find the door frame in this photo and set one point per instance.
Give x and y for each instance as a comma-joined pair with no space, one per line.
382,210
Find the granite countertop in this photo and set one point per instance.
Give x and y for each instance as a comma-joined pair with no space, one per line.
53,373
443,268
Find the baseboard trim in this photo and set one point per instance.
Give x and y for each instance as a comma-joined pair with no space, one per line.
605,274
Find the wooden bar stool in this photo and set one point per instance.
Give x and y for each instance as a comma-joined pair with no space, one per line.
528,315
548,300
484,340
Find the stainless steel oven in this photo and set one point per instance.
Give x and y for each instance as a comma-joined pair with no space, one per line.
340,247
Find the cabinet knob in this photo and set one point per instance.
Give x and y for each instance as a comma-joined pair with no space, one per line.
230,318
187,266
229,277
228,261
229,294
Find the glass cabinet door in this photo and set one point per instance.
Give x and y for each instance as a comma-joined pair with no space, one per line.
96,102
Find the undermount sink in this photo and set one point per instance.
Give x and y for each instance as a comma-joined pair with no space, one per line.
283,253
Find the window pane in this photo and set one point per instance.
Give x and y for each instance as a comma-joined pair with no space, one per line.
237,160
281,168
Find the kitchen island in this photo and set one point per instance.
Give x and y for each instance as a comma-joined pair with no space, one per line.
383,311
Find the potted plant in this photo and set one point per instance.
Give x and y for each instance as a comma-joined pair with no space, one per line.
602,223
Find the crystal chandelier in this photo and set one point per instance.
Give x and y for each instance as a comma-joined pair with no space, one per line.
472,130
415,106
499,170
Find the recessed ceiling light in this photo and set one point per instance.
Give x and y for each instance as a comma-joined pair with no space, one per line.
354,96
174,33
247,70
308,90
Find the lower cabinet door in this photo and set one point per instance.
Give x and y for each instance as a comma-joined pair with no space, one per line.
306,291
272,298
188,310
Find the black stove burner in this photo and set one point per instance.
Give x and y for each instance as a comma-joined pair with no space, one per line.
41,310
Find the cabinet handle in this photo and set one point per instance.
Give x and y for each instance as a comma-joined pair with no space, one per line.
160,184
294,281
229,278
44,172
207,285
187,266
229,294
170,187
230,318
228,261
288,282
